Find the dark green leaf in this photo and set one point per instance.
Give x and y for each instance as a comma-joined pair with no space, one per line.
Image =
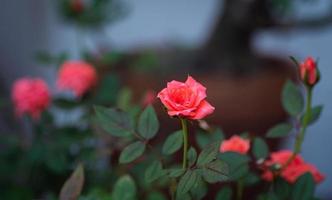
224,194
173,143
315,114
199,190
251,179
304,188
282,189
215,171
74,185
156,196
185,196
292,99
124,189
268,196
154,171
237,164
192,156
107,90
174,173
280,130
204,138
260,148
148,123
114,122
132,152
208,154
187,181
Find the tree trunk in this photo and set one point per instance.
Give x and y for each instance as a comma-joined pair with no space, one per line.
230,44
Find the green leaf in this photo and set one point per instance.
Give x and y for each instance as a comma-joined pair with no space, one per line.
268,196
148,123
192,156
156,196
260,148
204,138
280,130
315,114
124,189
107,90
174,173
282,189
215,171
224,194
208,154
154,171
132,152
187,181
114,122
292,99
237,164
304,188
251,179
124,99
173,143
199,190
74,185
185,196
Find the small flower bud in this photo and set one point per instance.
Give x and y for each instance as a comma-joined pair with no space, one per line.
309,72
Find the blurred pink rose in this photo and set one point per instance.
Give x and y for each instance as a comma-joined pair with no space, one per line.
76,76
186,99
30,96
77,6
149,97
294,170
235,144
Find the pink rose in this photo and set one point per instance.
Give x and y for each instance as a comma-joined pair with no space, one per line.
293,171
30,96
235,144
309,72
76,76
186,99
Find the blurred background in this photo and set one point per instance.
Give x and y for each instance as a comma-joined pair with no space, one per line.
238,48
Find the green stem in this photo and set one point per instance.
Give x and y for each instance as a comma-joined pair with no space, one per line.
305,121
185,142
239,189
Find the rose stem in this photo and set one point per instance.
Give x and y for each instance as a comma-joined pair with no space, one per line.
305,121
185,142
239,189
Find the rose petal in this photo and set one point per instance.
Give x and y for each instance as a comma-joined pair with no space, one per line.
203,110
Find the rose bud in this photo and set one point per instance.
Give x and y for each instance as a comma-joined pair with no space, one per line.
186,100
309,72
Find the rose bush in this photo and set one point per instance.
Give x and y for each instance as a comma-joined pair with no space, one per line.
146,167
